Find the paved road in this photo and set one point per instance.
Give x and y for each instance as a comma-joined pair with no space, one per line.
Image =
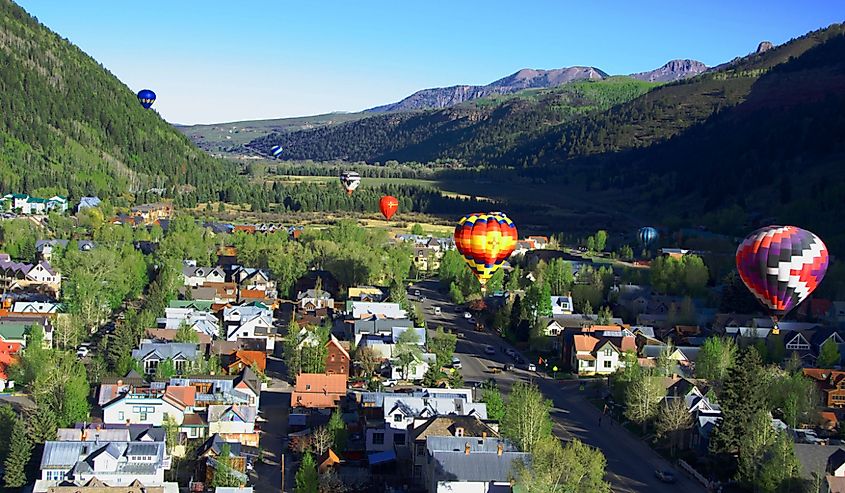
630,462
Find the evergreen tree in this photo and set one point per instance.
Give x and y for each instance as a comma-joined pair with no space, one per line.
223,472
743,397
306,477
20,452
337,428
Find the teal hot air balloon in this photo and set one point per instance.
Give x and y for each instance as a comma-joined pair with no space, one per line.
146,97
647,236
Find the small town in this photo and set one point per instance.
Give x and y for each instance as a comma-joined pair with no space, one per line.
422,247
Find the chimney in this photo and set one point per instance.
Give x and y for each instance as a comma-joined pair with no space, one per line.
500,449
466,448
484,435
120,383
84,433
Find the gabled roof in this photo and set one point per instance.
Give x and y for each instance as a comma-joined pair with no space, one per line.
333,341
447,425
245,414
164,350
451,463
181,397
320,383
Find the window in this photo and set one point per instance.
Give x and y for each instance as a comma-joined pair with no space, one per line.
378,438
397,418
420,449
589,364
398,439
120,416
607,364
459,432
307,386
417,471
608,352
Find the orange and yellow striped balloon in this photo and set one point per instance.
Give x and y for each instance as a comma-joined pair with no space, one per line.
485,241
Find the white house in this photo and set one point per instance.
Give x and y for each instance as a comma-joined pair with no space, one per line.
201,321
599,356
148,406
113,463
234,423
249,321
562,305
400,410
363,309
198,276
312,299
416,370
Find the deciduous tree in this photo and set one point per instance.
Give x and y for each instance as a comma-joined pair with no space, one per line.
673,419
642,400
526,419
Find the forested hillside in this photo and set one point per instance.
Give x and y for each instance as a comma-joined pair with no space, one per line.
483,130
69,125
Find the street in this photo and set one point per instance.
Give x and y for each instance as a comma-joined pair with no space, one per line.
630,462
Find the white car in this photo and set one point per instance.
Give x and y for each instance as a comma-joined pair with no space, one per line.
82,352
532,367
456,363
467,315
389,382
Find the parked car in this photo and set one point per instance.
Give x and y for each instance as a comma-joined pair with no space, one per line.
456,363
665,476
490,350
389,382
471,321
416,292
82,351
508,366
510,352
532,367
437,311
467,315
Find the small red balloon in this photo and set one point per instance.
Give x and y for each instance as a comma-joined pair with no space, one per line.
388,205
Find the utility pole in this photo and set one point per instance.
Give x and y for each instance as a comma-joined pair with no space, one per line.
282,461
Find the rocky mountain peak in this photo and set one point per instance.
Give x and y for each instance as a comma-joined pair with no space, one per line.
764,46
672,70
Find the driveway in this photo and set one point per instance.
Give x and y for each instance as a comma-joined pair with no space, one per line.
630,462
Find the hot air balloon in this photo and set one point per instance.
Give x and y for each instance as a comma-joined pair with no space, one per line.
647,236
350,181
485,241
781,266
388,205
147,98
276,151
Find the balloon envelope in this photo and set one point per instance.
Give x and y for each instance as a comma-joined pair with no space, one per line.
485,241
350,181
146,97
647,236
276,150
388,205
781,265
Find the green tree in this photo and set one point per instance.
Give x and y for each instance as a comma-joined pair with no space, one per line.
514,279
337,428
408,351
20,452
642,400
600,240
171,432
780,471
367,360
455,294
63,387
443,346
556,468
560,277
7,423
495,403
417,229
41,424
186,334
224,474
605,316
432,377
742,397
715,358
526,419
306,477
828,355
165,369
673,419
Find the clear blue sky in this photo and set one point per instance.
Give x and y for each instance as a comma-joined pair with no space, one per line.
216,61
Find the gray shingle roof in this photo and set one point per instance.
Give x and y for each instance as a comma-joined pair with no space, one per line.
476,466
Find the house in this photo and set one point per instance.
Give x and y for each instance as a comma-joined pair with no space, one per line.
562,305
362,310
234,423
373,294
540,242
8,355
373,326
44,248
337,357
239,458
13,331
151,213
826,462
25,204
94,485
318,390
250,279
17,275
470,464
39,307
249,321
87,203
199,276
169,335
234,362
312,299
201,321
149,405
393,414
444,426
115,463
151,354
599,355
415,370
831,385
244,388
327,461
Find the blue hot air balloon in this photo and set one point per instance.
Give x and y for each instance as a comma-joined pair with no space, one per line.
147,98
647,236
276,150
